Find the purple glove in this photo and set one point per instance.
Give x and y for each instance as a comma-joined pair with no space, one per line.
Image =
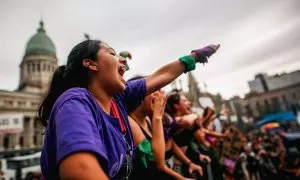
204,53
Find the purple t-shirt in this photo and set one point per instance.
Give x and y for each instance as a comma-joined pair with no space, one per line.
77,123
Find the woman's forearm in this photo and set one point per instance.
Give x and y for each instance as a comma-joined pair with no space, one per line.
168,73
215,134
164,76
158,142
178,153
172,173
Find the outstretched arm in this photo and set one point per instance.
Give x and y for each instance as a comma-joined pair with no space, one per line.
168,73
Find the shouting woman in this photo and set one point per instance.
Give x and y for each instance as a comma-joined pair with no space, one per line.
85,113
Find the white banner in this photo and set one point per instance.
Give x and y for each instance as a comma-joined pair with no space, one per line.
11,123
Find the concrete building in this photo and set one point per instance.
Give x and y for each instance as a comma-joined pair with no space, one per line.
264,83
269,94
36,70
273,101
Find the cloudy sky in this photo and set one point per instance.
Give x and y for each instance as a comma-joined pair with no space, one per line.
255,35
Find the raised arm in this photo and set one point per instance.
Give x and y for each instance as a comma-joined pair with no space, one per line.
158,140
168,73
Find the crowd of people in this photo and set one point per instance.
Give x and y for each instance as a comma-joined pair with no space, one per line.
98,126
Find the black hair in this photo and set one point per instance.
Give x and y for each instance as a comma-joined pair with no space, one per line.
173,98
73,74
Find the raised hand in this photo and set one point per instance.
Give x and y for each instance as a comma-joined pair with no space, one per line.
204,53
195,168
158,104
203,157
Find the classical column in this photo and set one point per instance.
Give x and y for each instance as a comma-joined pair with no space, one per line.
1,142
14,141
17,141
39,136
29,131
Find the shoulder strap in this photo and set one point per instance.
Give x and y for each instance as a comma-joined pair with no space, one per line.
143,130
115,112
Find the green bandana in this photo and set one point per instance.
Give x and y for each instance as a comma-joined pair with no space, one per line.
124,55
144,153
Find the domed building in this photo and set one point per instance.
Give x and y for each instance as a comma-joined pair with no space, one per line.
19,128
38,64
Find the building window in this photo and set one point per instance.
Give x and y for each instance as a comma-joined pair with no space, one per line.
294,96
249,111
267,106
21,141
8,102
28,67
285,102
34,104
38,67
35,139
6,142
48,68
22,103
257,105
275,104
44,67
33,67
258,108
35,124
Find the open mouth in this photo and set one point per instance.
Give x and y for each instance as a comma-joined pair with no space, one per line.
189,108
122,70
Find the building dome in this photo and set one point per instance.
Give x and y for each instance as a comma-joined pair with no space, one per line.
40,43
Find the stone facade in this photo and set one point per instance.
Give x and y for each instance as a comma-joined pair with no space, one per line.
269,97
284,99
263,82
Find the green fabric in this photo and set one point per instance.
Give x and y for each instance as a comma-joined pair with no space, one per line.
194,146
126,67
144,153
125,55
189,63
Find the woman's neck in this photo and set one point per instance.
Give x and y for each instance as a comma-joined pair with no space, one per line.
102,97
139,115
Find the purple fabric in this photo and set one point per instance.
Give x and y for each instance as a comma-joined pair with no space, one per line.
78,124
169,128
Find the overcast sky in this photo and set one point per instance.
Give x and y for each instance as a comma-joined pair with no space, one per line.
255,35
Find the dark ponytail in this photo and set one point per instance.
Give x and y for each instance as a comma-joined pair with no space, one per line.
74,74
